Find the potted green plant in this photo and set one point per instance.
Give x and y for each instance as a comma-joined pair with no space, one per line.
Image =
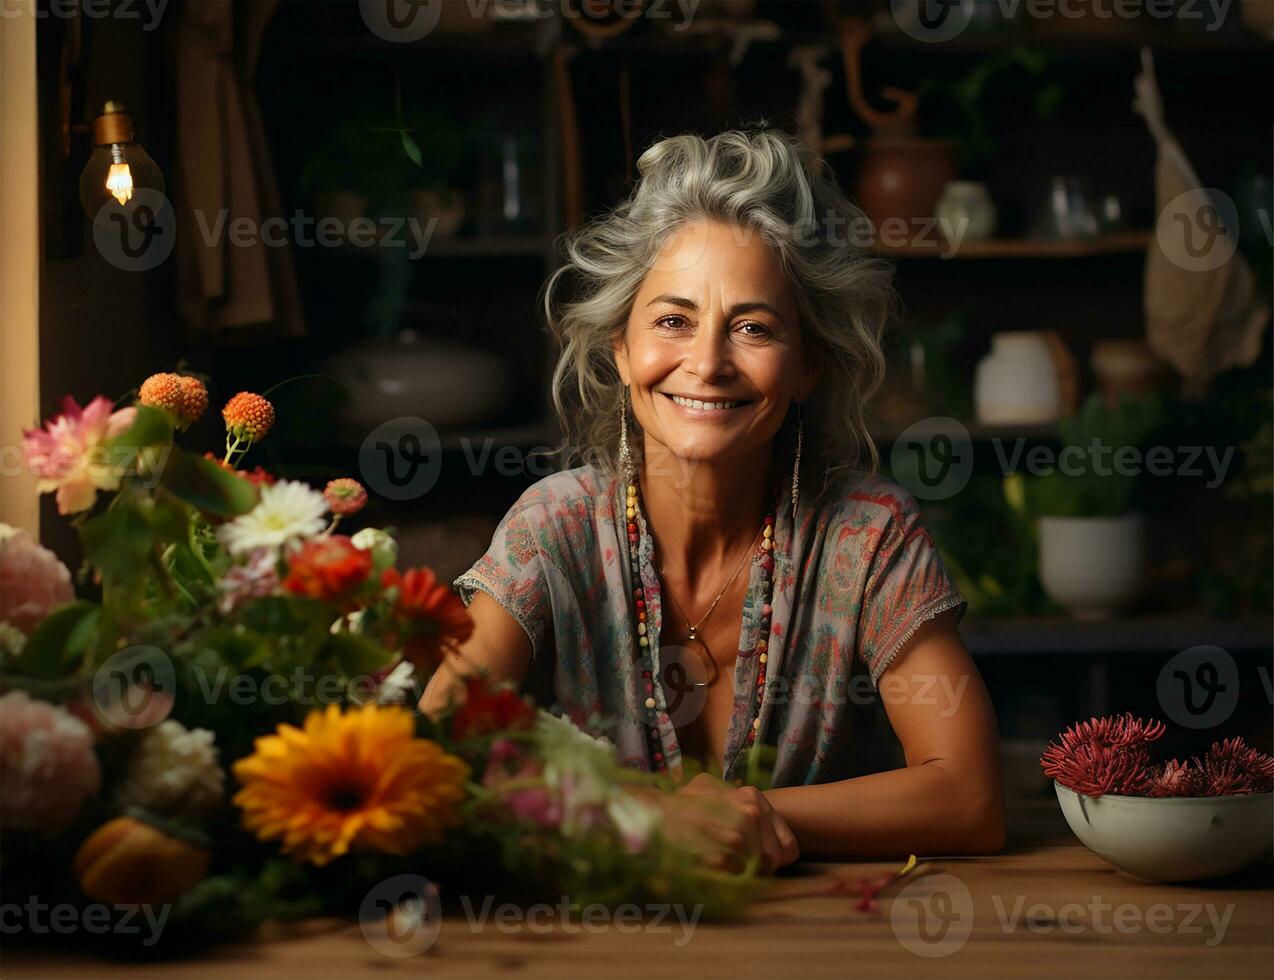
1091,540
960,111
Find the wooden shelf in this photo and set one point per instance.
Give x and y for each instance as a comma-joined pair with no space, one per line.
1128,634
1022,248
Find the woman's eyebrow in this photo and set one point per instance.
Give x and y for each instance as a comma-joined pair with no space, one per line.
748,306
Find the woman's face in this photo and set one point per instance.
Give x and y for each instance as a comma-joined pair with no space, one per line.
712,350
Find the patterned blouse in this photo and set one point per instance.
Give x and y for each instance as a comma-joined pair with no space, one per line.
854,577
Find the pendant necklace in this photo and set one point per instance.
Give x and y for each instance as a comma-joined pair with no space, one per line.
693,637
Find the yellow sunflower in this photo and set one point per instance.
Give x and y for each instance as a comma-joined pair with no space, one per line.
359,779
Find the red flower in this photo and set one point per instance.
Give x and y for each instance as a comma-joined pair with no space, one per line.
1104,755
1233,768
434,620
328,568
488,710
256,475
1175,778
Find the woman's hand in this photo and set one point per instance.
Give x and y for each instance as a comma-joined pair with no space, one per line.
744,825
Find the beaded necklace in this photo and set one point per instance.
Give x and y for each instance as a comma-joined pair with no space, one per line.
643,653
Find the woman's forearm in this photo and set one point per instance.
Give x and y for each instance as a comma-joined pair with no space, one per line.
924,809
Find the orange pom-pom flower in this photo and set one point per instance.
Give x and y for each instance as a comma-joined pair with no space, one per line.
185,398
248,416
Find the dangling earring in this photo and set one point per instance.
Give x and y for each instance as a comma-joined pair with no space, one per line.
796,465
625,454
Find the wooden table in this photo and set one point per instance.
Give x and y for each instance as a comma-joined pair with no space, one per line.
1047,910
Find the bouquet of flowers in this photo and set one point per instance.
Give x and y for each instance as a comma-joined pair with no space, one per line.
227,728
1112,755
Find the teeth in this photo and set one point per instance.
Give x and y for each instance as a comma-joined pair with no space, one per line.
710,406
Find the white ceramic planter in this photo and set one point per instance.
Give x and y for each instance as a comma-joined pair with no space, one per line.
1016,383
1092,565
965,212
1173,838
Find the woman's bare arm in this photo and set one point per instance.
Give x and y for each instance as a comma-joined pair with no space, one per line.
498,647
948,799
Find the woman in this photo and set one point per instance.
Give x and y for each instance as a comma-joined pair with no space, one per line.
724,568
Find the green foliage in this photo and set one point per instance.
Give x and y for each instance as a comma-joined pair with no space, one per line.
207,486
1091,441
989,99
59,643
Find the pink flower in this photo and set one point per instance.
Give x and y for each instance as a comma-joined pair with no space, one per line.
509,762
345,496
33,581
68,455
47,764
255,578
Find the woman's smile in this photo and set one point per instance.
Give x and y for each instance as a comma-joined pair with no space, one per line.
709,408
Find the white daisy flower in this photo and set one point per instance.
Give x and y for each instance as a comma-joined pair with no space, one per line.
288,510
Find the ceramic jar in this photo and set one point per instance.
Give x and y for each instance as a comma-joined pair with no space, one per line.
1016,383
965,212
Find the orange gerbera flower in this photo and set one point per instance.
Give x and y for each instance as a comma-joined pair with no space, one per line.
358,780
327,568
434,619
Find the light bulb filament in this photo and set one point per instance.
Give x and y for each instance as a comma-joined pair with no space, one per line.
120,179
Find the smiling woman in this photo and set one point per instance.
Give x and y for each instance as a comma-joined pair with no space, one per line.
714,370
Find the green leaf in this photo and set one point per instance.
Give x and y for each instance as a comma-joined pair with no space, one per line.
61,639
118,542
412,149
151,427
357,655
207,486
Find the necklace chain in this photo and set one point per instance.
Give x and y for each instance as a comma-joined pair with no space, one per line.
655,712
694,627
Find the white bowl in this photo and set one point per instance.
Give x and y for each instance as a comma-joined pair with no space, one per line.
1172,838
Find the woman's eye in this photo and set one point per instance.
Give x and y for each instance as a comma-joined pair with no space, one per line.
671,322
754,329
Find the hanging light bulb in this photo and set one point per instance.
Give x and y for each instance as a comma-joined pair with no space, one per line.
118,166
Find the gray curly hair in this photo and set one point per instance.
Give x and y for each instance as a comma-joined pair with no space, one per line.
763,180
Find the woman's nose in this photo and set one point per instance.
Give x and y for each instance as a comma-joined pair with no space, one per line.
709,359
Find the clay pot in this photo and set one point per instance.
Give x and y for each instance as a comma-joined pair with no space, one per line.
903,177
1125,367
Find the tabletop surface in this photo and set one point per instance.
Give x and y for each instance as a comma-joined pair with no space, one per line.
1047,910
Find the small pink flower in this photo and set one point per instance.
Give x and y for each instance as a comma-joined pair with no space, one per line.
255,578
345,496
508,761
47,764
68,455
33,582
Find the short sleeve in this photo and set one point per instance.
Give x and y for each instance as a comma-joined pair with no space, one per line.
513,570
907,585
